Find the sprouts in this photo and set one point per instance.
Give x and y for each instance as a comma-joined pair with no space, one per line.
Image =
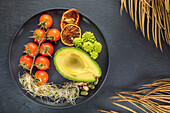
68,92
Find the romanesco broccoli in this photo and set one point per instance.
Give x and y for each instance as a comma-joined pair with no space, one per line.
97,47
94,54
88,46
78,42
88,36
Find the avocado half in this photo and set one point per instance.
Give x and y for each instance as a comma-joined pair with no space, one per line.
75,64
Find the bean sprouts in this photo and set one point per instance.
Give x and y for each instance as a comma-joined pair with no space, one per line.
67,92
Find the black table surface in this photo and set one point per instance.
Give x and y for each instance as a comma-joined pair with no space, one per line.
133,59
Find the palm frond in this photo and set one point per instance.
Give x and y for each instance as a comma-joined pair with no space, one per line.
155,11
153,97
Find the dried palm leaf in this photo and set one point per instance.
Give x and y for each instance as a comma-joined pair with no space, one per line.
153,97
146,11
103,111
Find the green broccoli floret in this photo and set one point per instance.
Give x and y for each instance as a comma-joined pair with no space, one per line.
78,42
97,47
88,46
88,36
94,54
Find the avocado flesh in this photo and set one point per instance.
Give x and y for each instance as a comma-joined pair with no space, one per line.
75,64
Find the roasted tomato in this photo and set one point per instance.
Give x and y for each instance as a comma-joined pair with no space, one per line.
26,61
31,49
71,16
46,49
70,32
42,76
42,63
45,21
38,35
53,34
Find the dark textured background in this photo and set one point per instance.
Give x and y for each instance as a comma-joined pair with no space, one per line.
133,60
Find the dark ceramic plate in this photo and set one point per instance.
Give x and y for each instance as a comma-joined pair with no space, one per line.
21,38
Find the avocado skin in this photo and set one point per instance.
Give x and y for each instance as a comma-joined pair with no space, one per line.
81,51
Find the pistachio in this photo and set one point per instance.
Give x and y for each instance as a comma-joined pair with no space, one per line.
91,86
81,83
86,88
96,82
84,93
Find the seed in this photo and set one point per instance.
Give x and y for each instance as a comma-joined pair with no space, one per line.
84,93
96,82
86,88
81,83
91,86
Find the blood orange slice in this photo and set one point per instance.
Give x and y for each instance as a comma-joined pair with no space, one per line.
71,16
70,32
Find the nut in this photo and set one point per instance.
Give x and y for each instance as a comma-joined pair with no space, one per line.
86,88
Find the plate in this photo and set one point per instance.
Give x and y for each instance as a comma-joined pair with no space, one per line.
21,38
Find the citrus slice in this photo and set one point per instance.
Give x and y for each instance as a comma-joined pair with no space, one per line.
71,16
70,32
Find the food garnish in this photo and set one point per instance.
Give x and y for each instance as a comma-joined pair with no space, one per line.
71,16
68,92
69,33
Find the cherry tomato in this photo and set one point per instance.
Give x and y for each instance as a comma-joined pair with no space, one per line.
42,63
38,35
31,49
46,49
26,61
42,76
46,21
53,34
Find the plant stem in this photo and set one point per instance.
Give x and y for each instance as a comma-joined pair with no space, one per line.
37,51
